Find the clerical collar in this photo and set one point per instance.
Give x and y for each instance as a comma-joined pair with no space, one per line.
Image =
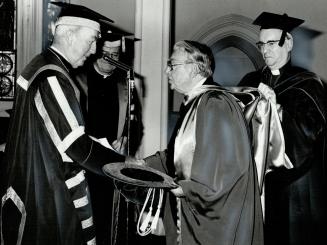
279,71
275,72
105,75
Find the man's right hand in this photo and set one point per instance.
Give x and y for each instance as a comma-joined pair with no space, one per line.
132,160
267,92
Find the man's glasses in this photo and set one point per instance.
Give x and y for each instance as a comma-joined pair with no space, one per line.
114,56
171,66
269,44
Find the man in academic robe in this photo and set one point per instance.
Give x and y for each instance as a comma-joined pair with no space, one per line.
210,157
295,198
45,198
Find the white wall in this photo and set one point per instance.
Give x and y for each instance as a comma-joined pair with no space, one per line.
122,12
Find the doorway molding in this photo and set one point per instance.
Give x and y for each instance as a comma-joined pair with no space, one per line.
231,30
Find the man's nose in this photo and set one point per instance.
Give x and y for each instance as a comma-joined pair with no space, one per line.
264,49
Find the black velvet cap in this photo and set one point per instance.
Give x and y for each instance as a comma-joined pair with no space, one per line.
74,10
142,176
275,21
133,181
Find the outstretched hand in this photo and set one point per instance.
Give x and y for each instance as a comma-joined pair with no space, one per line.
270,95
120,145
133,160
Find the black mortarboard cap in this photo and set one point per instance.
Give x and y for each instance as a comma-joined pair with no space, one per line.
80,11
113,31
133,180
114,35
137,175
283,22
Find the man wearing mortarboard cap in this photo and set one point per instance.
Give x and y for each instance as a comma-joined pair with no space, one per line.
105,112
44,194
296,203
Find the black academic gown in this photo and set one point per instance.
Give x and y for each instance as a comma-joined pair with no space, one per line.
296,203
101,119
221,203
106,104
105,113
44,194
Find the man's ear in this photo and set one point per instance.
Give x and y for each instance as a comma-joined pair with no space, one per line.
53,27
289,42
69,36
195,70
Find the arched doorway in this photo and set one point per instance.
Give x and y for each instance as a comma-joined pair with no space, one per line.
234,57
232,39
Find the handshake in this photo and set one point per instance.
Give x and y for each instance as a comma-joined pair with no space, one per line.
135,161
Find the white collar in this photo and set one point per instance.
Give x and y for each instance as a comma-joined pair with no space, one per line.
275,72
100,72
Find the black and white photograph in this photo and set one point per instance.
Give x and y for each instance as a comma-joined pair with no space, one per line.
165,122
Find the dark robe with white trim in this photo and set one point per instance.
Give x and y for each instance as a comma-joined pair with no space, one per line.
296,199
222,202
44,193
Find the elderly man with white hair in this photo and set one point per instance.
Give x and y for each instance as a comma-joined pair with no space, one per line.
45,197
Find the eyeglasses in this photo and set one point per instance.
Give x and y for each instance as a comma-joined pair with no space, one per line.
171,66
270,44
114,56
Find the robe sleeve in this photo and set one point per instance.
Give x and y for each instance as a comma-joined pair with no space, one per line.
305,110
303,124
222,154
158,161
303,121
60,111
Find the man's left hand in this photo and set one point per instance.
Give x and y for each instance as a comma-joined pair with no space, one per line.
132,160
178,192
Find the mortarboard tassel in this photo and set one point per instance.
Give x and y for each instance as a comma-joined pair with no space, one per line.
282,39
146,221
156,217
145,229
123,46
142,230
